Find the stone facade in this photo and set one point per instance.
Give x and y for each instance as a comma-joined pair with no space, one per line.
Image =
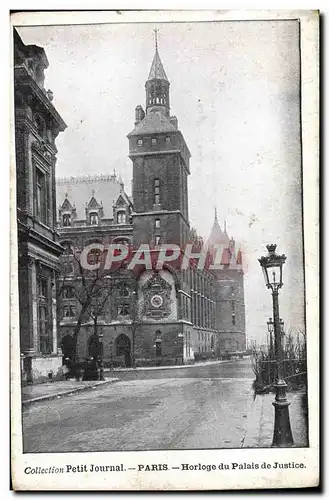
37,124
150,316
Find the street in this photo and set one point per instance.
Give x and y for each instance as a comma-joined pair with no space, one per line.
188,408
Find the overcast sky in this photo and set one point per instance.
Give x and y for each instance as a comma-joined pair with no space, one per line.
235,91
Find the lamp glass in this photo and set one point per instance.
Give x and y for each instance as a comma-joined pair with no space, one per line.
274,274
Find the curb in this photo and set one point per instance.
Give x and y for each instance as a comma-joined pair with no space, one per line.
170,367
56,395
252,435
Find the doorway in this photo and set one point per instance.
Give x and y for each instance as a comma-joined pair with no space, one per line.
123,348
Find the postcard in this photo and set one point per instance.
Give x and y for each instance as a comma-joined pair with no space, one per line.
164,243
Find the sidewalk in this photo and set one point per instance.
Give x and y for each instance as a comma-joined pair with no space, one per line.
260,427
170,367
52,390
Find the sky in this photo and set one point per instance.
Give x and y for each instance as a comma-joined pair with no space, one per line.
234,87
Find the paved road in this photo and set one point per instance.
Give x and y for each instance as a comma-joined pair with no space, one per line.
197,407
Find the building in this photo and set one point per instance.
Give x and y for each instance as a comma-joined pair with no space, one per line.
153,316
37,124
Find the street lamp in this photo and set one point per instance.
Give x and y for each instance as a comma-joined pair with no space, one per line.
270,328
272,268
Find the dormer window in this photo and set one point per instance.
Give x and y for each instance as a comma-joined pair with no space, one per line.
93,219
67,222
121,217
139,142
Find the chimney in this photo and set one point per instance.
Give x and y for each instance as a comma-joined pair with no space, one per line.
139,114
174,121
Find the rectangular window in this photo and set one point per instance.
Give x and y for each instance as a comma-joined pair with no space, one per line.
233,320
41,196
156,191
157,223
123,310
167,140
154,140
157,240
68,292
93,219
44,315
94,256
69,311
67,220
121,217
44,340
43,288
139,142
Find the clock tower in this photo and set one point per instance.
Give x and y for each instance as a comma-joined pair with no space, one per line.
160,159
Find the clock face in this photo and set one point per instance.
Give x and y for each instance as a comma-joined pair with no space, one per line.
156,301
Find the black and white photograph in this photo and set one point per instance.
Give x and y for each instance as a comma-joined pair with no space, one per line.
162,253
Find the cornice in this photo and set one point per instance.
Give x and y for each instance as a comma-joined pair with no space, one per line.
22,79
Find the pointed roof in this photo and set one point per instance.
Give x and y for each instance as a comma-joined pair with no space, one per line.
217,236
93,202
157,71
66,205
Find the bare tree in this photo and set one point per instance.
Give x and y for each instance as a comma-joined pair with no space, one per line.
92,290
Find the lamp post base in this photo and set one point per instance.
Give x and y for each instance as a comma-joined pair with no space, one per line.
282,436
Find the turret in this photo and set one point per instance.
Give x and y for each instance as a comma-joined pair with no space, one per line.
157,86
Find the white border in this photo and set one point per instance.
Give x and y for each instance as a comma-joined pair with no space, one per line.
173,480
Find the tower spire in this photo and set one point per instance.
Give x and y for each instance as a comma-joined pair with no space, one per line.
156,31
157,85
157,70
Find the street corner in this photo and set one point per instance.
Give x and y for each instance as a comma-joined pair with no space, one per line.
39,394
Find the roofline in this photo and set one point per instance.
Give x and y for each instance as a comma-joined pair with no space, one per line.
87,179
